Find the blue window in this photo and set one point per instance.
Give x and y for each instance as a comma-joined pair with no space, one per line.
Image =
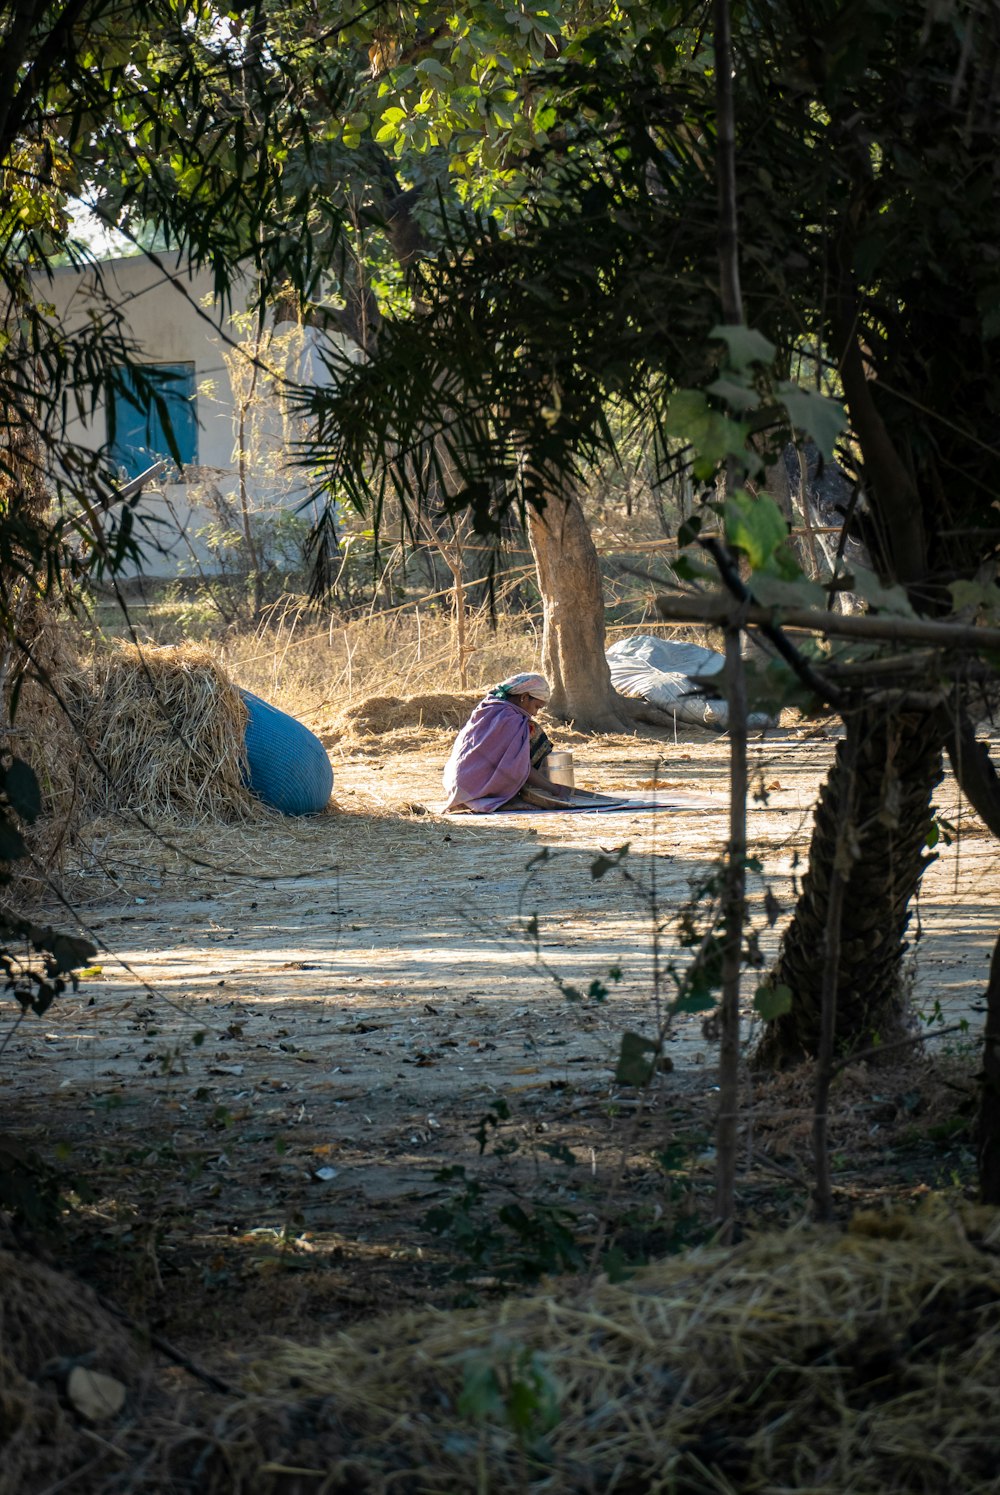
153,414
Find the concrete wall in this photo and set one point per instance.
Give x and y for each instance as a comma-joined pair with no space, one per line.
173,318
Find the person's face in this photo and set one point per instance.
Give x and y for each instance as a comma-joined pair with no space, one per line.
529,704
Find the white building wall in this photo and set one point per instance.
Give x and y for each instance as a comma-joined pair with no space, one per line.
173,318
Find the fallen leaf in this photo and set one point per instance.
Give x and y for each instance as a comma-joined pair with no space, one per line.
95,1396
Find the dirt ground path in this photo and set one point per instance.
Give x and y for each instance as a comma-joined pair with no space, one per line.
290,1037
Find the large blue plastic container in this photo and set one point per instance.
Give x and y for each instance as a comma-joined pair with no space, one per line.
287,766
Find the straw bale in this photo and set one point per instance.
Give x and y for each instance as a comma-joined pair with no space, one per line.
849,1363
168,727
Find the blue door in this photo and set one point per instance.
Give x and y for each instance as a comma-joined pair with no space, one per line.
153,414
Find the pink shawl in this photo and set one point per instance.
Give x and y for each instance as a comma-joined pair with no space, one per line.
491,758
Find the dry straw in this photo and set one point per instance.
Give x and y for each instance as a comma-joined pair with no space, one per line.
50,1322
809,1361
42,733
377,714
167,727
815,1362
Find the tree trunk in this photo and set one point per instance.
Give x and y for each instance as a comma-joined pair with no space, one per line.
897,766
569,580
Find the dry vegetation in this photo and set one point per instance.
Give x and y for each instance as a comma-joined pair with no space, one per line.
311,1021
814,1361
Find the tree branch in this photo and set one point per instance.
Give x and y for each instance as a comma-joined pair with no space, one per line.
714,607
810,678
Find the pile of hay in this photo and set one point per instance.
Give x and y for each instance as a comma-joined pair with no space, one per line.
376,715
49,1324
809,1361
379,724
46,735
167,727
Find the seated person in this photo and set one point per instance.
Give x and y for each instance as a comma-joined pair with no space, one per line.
501,749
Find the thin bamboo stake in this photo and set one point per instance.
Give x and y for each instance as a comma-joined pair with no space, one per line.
736,855
732,956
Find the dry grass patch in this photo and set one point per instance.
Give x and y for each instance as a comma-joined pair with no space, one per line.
839,1364
317,672
821,1361
827,1362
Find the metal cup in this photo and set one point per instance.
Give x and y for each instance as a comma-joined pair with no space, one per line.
560,769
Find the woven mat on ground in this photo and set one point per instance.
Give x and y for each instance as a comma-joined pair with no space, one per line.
585,802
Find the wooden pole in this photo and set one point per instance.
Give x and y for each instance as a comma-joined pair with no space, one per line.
731,298
732,955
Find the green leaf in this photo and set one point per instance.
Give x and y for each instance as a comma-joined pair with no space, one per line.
965,594
974,594
991,324
816,414
773,686
636,1060
699,999
738,396
775,591
689,531
12,844
756,526
70,952
559,1152
745,345
23,791
889,599
772,1001
687,408
712,435
480,1397
431,68
689,568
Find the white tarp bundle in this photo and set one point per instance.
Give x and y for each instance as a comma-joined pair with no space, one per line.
659,670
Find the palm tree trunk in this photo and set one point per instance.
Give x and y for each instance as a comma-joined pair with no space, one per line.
897,766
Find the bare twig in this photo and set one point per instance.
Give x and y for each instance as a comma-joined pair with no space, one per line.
876,1050
810,677
166,1348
